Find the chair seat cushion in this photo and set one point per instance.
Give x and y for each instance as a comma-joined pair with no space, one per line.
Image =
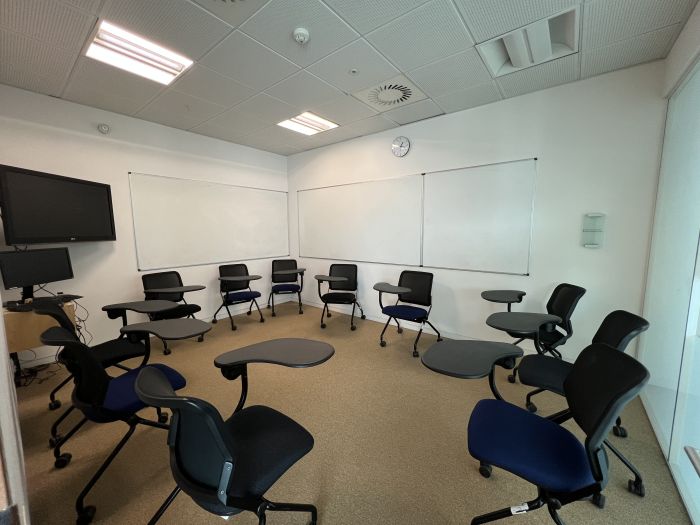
529,446
112,352
404,311
546,372
277,288
236,297
338,297
182,310
121,397
266,444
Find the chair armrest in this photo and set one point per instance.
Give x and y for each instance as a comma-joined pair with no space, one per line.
390,288
57,336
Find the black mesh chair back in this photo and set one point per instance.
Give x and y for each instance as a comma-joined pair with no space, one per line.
421,285
349,271
619,328
233,270
169,279
601,382
562,303
284,264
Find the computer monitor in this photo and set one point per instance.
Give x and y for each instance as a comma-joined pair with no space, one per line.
25,269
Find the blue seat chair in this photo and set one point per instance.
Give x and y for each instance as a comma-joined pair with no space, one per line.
236,292
285,284
541,451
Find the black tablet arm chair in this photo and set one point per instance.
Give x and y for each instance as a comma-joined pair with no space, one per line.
285,284
539,450
236,292
169,279
226,467
101,399
341,292
421,286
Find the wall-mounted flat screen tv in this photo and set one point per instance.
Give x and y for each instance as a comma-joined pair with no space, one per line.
43,208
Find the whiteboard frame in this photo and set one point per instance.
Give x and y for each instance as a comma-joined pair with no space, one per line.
133,222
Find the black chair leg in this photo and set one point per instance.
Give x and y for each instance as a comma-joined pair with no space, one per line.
300,310
161,510
262,319
352,318
294,507
382,342
636,485
55,436
230,318
399,330
509,511
53,402
214,319
618,429
269,297
86,514
555,517
514,376
362,312
166,350
528,399
273,305
62,460
439,337
415,343
323,314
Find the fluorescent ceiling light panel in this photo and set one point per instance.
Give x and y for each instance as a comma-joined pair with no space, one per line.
120,48
308,124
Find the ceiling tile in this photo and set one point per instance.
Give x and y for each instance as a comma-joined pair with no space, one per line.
544,76
343,110
249,62
426,34
277,135
206,84
649,46
30,64
608,21
262,142
233,13
371,67
99,85
179,110
469,98
49,21
356,129
234,122
91,6
487,19
304,90
268,109
366,15
274,24
454,73
175,24
210,130
414,112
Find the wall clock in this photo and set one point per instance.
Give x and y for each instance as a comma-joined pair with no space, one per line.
400,146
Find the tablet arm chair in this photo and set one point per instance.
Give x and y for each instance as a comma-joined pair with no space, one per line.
170,279
236,292
341,292
102,399
226,467
421,286
286,284
539,450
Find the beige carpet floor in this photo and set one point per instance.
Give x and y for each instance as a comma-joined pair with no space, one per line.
390,439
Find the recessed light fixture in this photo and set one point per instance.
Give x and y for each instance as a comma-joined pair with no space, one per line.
308,124
120,48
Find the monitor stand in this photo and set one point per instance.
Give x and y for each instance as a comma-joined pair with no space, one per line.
27,293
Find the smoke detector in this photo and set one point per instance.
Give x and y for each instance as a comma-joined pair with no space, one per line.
398,91
301,35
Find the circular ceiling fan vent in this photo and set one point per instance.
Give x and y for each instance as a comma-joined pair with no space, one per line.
390,94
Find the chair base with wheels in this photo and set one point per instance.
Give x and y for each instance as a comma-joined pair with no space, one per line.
284,289
234,298
402,312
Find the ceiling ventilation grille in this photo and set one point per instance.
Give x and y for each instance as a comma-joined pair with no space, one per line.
398,91
539,42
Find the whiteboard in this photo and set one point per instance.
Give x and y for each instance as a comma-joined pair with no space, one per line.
184,222
480,218
376,221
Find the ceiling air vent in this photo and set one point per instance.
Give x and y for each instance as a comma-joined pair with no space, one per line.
398,91
539,42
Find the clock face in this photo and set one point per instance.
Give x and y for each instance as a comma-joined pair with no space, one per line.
400,146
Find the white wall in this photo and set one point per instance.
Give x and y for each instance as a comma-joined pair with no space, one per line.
684,54
598,142
55,136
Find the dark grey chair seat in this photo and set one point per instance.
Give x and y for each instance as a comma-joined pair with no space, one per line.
544,372
338,297
182,310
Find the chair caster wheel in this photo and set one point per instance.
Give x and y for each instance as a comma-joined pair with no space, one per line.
234,328
511,378
301,312
598,500
485,470
53,405
163,418
439,339
620,431
363,316
167,351
248,313
415,353
274,314
353,328
54,440
62,460
214,321
382,343
328,314
399,330
200,339
531,407
262,319
636,486
323,325
86,515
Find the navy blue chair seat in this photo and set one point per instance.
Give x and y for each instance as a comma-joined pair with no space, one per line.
291,288
542,452
404,311
241,297
338,297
